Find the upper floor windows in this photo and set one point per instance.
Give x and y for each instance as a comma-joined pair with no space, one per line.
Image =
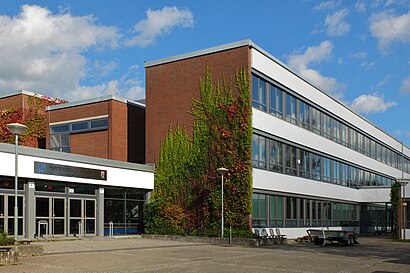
289,159
270,98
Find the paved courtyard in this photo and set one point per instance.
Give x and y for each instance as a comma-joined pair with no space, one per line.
124,255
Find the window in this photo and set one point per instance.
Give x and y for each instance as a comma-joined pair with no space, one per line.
258,93
259,210
290,159
291,209
315,120
304,167
327,175
60,134
353,139
344,174
79,126
336,131
258,151
344,134
336,172
275,156
304,111
275,103
316,167
326,126
276,211
290,108
359,142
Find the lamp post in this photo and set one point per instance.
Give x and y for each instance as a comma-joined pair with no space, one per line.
403,182
16,129
222,172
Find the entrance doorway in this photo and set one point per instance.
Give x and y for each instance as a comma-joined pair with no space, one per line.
7,213
50,210
81,216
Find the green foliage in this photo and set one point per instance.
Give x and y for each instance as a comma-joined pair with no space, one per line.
162,217
186,176
395,202
5,240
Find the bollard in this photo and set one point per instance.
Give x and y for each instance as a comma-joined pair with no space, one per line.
230,234
111,229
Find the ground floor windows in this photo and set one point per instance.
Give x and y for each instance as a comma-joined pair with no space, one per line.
290,211
124,208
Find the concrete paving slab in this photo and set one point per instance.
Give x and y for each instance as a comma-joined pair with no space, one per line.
125,255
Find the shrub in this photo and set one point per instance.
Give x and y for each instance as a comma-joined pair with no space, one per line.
4,238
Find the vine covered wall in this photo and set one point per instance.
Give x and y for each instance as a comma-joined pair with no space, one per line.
186,181
34,117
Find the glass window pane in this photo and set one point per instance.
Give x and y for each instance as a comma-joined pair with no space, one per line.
101,123
79,126
60,128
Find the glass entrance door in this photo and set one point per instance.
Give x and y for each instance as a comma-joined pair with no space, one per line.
82,214
7,213
52,211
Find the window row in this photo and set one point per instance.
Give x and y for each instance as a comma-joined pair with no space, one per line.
276,101
284,211
60,134
275,156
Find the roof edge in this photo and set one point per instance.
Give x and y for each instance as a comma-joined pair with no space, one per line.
197,53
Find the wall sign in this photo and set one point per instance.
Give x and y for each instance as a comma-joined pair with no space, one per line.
70,171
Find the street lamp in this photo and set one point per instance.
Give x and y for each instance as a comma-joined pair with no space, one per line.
222,172
16,129
403,182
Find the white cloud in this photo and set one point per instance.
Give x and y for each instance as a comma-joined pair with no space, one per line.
43,52
372,103
405,85
389,28
314,55
128,86
358,55
360,6
159,23
336,25
325,5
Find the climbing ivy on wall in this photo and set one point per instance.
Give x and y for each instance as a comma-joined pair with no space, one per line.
34,117
186,177
395,202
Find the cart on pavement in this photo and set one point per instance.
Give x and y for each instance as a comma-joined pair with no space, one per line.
323,236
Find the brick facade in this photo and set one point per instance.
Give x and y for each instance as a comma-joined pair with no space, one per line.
170,88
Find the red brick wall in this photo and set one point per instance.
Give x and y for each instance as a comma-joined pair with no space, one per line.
12,101
90,143
171,87
118,140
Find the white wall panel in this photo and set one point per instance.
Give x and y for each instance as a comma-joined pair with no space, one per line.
115,176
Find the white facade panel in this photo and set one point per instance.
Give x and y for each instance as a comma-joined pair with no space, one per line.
116,177
266,180
274,70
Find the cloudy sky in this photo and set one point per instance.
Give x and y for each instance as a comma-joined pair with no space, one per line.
357,51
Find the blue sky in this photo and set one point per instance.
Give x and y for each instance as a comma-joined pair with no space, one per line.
358,51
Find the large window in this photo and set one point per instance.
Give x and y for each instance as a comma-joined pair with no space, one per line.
304,166
304,116
275,211
290,159
275,102
259,218
275,156
258,93
316,167
258,151
290,108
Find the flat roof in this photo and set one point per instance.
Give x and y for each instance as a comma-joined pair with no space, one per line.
94,100
251,44
28,151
